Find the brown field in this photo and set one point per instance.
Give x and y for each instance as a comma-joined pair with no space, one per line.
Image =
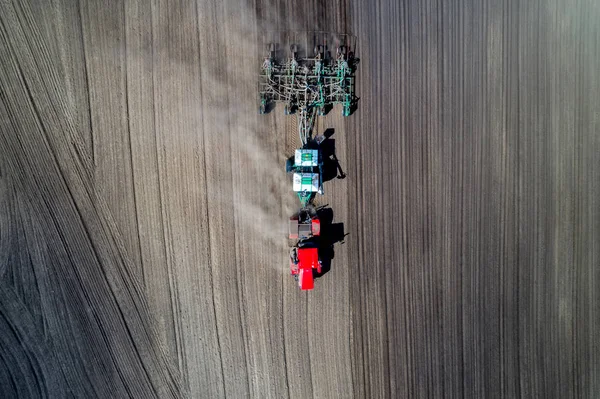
143,203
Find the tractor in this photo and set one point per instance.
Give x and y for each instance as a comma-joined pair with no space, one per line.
305,227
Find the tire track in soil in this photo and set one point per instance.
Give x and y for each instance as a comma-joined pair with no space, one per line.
104,40
181,149
157,276
496,149
49,173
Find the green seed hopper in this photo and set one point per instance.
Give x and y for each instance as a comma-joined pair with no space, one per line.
306,167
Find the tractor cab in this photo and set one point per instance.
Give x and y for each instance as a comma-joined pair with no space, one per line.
304,224
304,261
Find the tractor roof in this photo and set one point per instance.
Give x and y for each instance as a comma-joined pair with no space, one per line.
308,258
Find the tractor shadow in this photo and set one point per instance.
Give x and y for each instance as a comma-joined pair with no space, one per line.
331,234
332,169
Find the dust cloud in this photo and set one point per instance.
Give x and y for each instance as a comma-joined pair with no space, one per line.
261,207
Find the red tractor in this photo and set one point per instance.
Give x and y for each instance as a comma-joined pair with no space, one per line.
304,256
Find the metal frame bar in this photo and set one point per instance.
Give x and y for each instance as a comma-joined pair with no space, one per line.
308,83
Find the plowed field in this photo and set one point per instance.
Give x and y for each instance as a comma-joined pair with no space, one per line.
143,203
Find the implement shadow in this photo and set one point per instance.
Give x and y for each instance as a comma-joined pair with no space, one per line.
331,234
332,169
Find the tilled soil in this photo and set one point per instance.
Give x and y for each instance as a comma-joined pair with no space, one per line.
143,203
